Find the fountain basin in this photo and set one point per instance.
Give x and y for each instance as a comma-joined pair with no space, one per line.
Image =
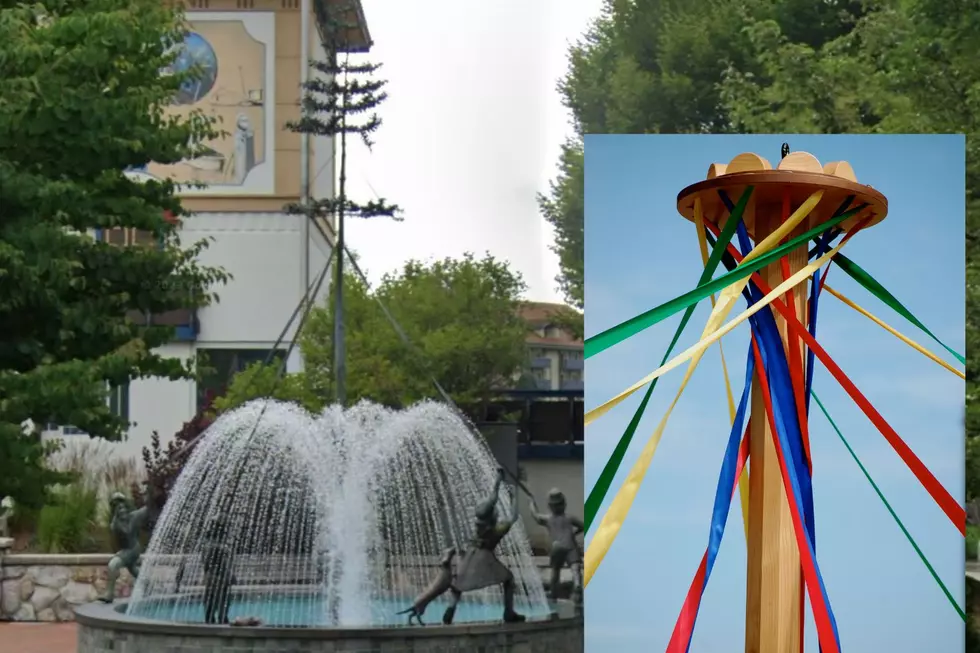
106,628
309,609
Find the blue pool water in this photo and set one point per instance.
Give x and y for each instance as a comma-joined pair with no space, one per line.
299,611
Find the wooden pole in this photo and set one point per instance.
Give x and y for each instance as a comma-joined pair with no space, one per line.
774,580
774,585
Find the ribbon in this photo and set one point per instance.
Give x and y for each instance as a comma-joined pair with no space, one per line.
825,622
616,514
732,466
908,341
953,510
697,350
891,511
815,287
743,480
871,284
598,492
615,335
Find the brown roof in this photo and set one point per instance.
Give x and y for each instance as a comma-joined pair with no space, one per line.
539,315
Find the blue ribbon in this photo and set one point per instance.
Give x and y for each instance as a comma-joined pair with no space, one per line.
788,428
726,481
784,404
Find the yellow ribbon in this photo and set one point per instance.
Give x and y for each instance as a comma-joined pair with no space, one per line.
743,479
908,341
615,515
726,302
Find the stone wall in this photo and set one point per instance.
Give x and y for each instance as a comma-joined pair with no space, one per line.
48,587
101,630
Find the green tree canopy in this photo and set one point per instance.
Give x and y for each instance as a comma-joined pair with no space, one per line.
460,316
83,100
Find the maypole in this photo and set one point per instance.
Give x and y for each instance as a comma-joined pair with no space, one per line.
797,196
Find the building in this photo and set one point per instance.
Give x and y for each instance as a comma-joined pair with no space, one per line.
555,356
254,54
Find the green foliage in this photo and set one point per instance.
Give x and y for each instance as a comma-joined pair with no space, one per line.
24,473
788,66
972,540
83,100
71,524
564,210
259,380
460,315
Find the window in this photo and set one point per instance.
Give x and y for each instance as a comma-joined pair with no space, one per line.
119,400
223,365
124,236
118,405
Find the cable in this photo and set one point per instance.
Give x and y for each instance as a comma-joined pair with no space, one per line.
308,301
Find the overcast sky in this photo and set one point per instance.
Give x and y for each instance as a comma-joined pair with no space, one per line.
471,132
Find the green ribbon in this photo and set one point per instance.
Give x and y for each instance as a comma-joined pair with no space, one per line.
602,485
615,335
908,536
871,284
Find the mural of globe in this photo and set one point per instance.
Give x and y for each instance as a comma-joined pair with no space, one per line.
196,51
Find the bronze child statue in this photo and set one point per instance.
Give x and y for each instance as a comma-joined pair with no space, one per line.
565,550
125,525
478,566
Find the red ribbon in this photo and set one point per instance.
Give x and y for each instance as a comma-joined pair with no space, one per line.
954,511
825,629
680,639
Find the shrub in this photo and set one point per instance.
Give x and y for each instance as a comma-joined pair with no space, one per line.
972,540
70,524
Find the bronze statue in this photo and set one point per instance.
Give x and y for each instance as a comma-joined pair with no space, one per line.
126,525
565,549
436,588
217,558
478,566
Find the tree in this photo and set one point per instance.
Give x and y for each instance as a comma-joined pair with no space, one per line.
657,66
83,100
260,380
335,105
460,316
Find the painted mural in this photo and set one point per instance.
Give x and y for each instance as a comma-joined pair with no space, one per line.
236,53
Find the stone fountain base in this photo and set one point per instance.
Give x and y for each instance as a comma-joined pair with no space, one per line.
107,629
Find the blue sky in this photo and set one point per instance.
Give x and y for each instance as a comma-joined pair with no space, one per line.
640,253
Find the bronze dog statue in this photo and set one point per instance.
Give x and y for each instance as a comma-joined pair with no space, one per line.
436,588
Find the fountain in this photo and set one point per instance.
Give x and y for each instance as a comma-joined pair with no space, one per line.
323,529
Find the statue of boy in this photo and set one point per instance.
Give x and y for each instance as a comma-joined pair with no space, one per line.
125,525
478,566
563,530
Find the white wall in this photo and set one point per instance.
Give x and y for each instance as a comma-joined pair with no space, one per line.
263,253
158,404
155,404
541,475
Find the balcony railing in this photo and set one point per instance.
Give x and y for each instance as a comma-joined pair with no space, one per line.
540,362
572,364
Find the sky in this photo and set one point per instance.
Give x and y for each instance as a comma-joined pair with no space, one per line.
472,131
640,253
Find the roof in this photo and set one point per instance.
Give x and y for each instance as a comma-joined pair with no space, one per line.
357,37
542,314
